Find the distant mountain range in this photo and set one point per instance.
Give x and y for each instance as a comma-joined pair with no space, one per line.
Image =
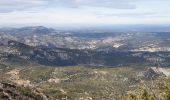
39,63
18,53
48,46
38,30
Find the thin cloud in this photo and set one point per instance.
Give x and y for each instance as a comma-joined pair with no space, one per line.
116,4
144,14
17,5
84,11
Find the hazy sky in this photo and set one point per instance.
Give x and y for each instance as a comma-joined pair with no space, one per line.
84,12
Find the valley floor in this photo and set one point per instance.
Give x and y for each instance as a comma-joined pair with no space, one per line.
78,83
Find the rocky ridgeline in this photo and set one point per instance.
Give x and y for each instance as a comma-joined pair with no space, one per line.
155,72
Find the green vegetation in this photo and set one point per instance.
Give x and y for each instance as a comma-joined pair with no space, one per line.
36,74
84,83
157,90
10,91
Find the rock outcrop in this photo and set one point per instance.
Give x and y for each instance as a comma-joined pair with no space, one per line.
155,72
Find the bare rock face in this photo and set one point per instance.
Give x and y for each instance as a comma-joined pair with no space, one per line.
154,72
161,71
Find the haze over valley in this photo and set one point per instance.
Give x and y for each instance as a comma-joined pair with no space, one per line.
84,50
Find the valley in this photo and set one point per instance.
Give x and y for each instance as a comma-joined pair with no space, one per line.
39,63
81,82
84,50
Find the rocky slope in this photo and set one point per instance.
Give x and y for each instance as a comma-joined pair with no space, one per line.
19,53
9,91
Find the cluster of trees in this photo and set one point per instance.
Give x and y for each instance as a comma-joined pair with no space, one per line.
161,92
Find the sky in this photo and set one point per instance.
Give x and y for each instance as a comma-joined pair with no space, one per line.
84,12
